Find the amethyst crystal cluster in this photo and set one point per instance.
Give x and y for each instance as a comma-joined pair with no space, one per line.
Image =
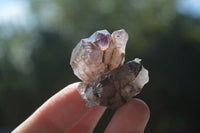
98,62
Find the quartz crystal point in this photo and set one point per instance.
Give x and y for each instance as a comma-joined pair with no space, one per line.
98,54
115,87
98,62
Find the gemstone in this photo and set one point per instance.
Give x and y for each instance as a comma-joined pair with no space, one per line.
98,62
98,54
115,87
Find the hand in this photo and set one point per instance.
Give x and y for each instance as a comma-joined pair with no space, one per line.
66,112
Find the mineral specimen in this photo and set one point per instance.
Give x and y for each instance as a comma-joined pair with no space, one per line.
98,54
98,62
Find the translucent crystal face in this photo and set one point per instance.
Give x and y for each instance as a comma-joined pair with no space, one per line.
92,53
102,39
120,37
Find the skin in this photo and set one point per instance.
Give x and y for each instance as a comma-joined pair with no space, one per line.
66,112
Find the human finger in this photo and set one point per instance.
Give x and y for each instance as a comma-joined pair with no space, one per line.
129,118
58,114
88,123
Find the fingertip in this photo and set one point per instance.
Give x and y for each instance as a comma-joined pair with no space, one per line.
131,117
70,88
140,107
137,111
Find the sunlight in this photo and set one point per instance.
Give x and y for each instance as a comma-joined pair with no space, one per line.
191,7
14,12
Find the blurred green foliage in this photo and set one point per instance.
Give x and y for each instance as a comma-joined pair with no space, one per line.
34,63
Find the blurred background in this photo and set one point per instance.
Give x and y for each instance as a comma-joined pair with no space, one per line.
37,38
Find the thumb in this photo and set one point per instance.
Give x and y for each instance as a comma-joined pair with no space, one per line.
131,117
